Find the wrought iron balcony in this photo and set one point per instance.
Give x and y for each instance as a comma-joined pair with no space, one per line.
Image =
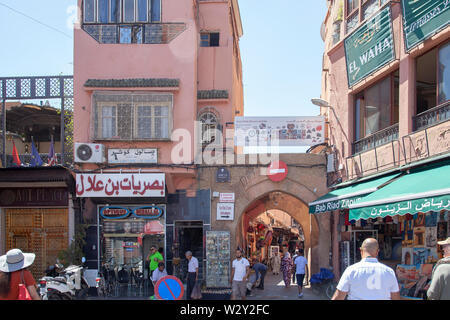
432,116
25,159
377,139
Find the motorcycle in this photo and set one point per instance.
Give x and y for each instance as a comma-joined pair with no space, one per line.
64,284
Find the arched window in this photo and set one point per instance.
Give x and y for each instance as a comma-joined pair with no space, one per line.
209,125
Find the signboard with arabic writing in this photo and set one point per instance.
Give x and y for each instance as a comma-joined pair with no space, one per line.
120,185
132,156
283,131
436,204
370,47
423,18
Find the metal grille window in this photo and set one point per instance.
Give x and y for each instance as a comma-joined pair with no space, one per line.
132,116
357,11
209,125
121,11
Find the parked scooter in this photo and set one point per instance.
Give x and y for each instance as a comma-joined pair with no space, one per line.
64,284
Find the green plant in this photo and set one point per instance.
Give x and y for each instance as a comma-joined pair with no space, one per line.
340,12
74,252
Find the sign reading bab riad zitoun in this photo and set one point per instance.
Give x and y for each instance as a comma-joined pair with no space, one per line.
369,47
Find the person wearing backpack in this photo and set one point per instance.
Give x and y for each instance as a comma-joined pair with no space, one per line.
14,273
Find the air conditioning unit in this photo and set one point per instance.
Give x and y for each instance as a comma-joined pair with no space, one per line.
89,153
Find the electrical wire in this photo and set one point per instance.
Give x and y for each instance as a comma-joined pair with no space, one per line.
35,20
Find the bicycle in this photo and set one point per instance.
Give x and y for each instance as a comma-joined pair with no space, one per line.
323,283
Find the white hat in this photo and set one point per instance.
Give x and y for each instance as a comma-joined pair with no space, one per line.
15,260
445,242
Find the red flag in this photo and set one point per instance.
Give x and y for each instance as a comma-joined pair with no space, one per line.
16,159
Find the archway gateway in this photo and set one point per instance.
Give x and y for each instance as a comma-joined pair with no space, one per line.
251,187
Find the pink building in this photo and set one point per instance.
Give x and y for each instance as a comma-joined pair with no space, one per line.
144,72
385,92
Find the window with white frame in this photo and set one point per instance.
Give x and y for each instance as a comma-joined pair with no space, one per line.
209,125
121,11
132,116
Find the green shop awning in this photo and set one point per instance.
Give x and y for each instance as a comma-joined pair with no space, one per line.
341,198
421,190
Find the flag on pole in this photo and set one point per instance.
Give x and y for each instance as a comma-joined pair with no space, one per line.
36,160
15,154
52,159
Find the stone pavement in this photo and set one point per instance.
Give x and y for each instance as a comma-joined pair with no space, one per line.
274,289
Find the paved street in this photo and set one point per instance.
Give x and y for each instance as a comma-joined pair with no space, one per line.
274,289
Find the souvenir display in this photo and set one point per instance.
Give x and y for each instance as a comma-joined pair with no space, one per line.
217,259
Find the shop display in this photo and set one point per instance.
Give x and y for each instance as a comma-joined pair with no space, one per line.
217,259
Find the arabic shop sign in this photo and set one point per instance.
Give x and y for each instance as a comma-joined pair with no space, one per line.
423,18
333,205
401,208
121,185
370,47
132,156
146,212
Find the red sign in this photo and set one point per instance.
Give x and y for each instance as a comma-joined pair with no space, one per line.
277,171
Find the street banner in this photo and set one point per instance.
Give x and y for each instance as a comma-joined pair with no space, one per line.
120,185
369,47
422,19
279,131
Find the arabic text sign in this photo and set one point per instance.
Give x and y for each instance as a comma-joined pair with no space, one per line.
370,47
437,204
227,197
121,185
225,211
279,131
132,156
423,18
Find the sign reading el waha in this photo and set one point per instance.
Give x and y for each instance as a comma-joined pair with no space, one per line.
370,47
121,185
423,18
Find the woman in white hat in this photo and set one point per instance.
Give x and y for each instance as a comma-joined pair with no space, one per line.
13,272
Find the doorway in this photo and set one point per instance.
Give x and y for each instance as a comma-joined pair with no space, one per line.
188,236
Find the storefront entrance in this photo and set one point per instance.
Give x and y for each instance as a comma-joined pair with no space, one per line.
40,231
188,237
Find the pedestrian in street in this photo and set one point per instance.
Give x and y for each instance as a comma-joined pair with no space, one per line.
154,258
239,274
286,267
301,270
159,273
13,271
440,277
192,275
260,270
368,279
276,262
294,275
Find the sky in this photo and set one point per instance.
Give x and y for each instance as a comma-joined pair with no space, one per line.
281,49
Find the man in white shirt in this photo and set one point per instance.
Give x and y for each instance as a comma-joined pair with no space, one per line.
368,279
301,268
192,275
239,275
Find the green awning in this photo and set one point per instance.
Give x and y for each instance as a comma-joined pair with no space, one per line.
422,190
341,198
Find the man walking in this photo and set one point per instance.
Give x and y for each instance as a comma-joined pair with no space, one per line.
440,277
260,270
154,257
239,274
368,279
301,269
192,275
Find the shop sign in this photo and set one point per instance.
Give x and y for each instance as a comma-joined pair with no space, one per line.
277,171
279,131
132,155
225,211
120,185
401,208
423,18
333,205
227,197
147,212
223,175
370,47
34,197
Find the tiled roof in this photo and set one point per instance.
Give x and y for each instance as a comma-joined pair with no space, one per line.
129,83
212,94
